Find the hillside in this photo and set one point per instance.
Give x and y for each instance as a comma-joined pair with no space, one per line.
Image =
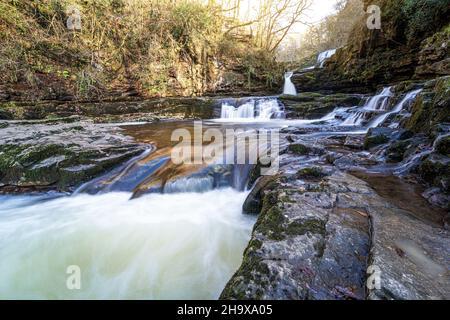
412,44
125,48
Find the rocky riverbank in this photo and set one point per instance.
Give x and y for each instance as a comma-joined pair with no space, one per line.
348,207
321,228
412,45
59,156
344,204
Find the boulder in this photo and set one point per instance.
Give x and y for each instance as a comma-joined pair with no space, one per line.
60,156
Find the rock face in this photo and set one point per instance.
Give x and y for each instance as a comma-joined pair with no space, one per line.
111,111
59,156
412,44
311,105
300,247
323,233
432,107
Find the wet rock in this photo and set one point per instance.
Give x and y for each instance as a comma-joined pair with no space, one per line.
121,110
331,157
312,240
60,156
299,149
313,105
437,198
354,142
396,151
253,203
431,107
404,135
435,170
311,173
302,149
411,257
442,145
377,136
300,248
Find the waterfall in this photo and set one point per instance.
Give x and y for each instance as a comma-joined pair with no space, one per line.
190,184
379,101
324,56
410,96
355,119
268,109
247,110
289,87
333,114
264,109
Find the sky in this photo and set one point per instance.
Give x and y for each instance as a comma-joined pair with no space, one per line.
318,10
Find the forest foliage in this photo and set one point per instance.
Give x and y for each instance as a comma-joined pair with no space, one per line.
403,22
154,46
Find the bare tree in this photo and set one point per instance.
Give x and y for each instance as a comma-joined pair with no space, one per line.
272,21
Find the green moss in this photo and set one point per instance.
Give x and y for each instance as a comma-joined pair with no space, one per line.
38,153
299,149
431,107
302,227
252,270
271,223
396,151
8,155
12,111
311,173
422,21
433,172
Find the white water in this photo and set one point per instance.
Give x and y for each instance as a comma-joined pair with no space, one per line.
410,96
177,246
247,110
379,101
324,56
253,110
355,119
289,87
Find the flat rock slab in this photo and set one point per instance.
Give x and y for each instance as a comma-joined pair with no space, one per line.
413,257
323,239
305,246
60,156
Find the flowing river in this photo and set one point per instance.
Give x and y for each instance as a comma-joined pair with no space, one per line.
148,230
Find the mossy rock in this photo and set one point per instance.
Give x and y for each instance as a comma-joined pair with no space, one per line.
252,270
443,146
55,165
302,227
435,170
396,151
300,149
431,108
311,173
373,141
